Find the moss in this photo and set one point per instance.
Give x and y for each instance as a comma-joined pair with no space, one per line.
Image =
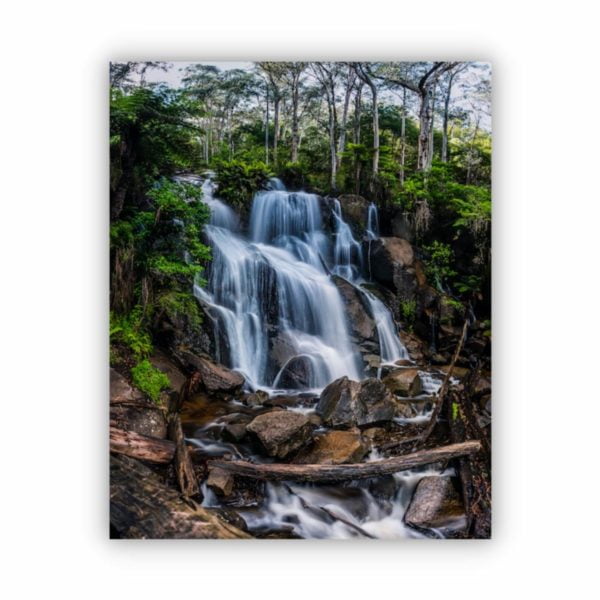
149,379
178,305
408,310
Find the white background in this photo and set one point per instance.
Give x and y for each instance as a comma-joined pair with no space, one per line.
53,240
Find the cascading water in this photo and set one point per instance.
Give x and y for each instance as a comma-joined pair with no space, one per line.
276,282
348,263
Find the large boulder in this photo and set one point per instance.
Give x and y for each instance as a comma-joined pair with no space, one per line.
215,377
435,503
348,403
220,481
392,263
404,382
334,448
281,432
361,323
354,209
162,362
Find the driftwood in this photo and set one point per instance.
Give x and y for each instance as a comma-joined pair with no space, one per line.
135,445
186,478
319,473
142,507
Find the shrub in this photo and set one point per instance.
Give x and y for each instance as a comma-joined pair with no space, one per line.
408,310
238,181
149,379
130,331
438,266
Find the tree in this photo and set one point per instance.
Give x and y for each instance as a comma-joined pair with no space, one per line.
292,73
424,87
363,70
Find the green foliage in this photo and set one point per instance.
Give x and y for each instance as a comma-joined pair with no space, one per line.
149,379
455,410
172,268
438,266
295,175
179,305
408,310
238,181
130,331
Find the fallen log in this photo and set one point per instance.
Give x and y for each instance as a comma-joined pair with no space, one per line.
140,446
319,473
143,507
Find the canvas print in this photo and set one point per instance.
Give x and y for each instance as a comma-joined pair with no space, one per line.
300,309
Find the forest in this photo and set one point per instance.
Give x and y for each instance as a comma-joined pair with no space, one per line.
300,300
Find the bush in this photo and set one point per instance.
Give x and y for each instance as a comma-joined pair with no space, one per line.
130,331
438,266
238,181
149,379
408,311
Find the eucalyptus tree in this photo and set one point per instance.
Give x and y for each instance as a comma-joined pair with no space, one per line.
275,72
364,71
292,74
447,82
421,80
327,75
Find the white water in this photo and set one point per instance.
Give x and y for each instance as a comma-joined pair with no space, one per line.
276,279
348,263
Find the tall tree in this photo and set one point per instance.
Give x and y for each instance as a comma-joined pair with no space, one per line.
363,70
293,73
424,88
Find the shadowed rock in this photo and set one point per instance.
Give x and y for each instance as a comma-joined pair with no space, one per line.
281,432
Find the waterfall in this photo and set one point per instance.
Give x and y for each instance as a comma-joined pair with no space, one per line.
275,282
372,222
348,263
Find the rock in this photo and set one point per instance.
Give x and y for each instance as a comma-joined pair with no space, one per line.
168,367
391,262
361,323
121,392
281,432
215,377
404,382
401,225
458,372
296,374
383,488
334,448
234,432
435,503
482,386
220,482
354,209
347,403
258,398
130,410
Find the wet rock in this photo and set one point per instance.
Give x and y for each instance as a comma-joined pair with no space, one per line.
391,263
258,398
483,386
281,432
296,374
435,503
234,432
354,209
334,448
215,377
383,488
347,403
220,482
361,323
404,382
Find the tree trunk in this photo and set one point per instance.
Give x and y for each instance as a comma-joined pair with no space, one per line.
267,129
403,138
444,154
423,159
142,507
276,104
320,473
140,446
295,135
342,136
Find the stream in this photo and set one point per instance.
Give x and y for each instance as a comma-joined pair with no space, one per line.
279,319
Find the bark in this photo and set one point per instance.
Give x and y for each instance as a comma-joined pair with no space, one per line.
363,73
140,446
142,507
342,137
186,478
319,473
326,77
403,138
